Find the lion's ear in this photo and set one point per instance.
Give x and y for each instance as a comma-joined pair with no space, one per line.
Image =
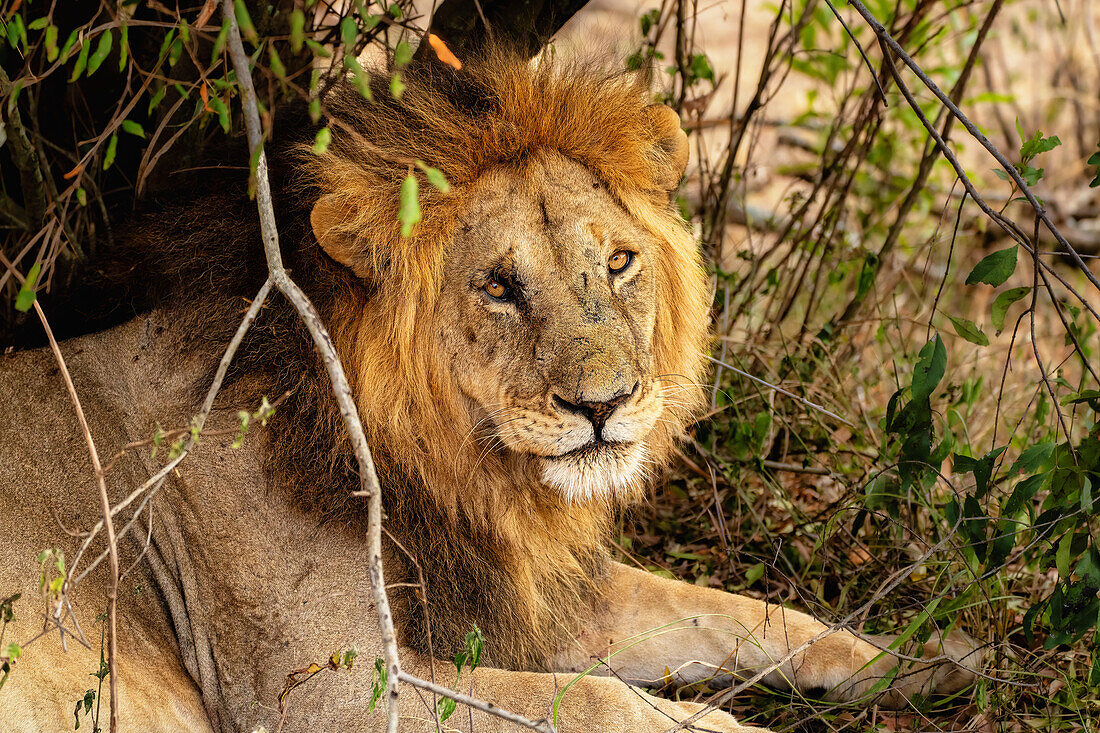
328,218
672,146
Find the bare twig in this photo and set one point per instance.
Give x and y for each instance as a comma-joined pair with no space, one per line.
321,339
152,486
769,385
105,507
543,726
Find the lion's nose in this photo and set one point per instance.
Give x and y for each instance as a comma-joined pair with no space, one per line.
596,412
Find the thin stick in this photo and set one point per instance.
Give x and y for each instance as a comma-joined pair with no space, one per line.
543,726
153,484
105,507
341,389
780,390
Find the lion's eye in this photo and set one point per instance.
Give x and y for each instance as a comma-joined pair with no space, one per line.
620,260
497,289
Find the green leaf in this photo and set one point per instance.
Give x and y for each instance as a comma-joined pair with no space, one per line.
1094,159
1063,554
362,79
1002,304
39,23
931,365
219,41
124,46
397,87
995,268
17,32
349,32
318,50
156,100
74,36
244,20
445,708
13,651
133,128
109,155
409,213
1031,175
171,36
701,68
1024,492
982,468
969,331
435,177
321,141
175,51
24,299
684,555
277,67
379,683
222,110
1085,395
297,29
402,55
474,643
1032,459
81,61
755,573
1038,145
50,41
101,50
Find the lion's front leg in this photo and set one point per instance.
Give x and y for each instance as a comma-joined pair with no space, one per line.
651,623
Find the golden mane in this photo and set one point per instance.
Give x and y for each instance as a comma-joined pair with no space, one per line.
496,111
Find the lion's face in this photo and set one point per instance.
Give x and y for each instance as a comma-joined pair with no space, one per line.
548,311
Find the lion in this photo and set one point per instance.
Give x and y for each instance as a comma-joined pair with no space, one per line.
523,362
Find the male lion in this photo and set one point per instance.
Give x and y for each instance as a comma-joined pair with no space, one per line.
522,362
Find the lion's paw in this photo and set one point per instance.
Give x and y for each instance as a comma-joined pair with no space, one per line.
942,665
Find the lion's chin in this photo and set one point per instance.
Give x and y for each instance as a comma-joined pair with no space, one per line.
596,472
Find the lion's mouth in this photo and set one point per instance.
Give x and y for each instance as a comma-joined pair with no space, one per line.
593,449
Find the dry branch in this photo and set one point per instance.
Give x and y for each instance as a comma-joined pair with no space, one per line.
105,507
340,387
543,726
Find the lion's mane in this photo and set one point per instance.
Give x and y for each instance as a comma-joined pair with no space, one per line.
494,547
